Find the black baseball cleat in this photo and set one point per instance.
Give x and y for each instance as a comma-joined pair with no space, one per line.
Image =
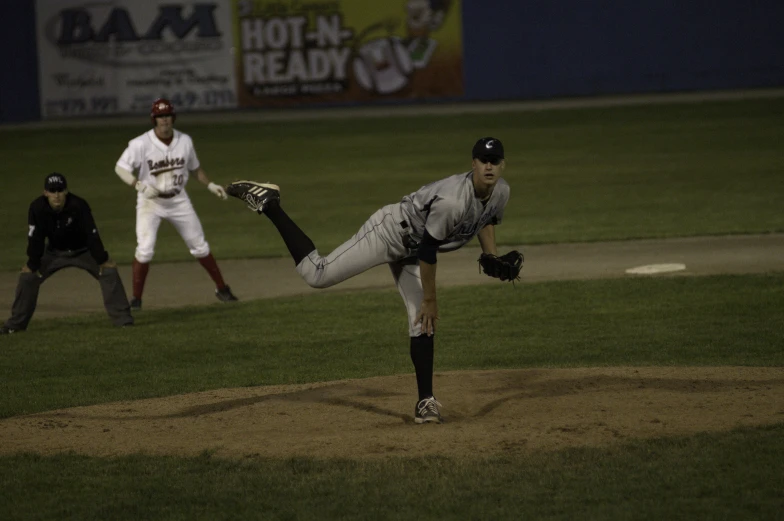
136,304
225,294
256,195
426,411
5,330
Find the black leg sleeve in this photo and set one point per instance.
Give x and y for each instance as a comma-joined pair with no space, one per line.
25,300
297,242
422,354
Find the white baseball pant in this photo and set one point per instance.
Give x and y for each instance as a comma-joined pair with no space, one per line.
180,213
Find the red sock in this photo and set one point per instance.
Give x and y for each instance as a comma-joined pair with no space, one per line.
140,270
212,268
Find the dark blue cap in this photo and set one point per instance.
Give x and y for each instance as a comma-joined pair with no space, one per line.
55,182
488,147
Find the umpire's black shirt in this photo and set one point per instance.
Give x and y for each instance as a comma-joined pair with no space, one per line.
71,229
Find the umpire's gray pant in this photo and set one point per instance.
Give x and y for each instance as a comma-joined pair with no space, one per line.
114,298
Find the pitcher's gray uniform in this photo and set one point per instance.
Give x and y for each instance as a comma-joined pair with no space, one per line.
407,235
448,209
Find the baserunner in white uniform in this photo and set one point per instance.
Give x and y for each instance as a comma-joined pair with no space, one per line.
439,217
164,159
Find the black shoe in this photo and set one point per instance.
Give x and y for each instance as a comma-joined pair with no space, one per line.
5,330
426,411
136,304
256,195
225,294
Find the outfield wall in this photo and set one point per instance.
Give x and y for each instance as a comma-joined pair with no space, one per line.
576,48
537,49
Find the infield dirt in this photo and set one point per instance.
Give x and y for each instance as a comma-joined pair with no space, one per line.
487,412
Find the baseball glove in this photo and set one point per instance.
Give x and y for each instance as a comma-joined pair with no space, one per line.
506,267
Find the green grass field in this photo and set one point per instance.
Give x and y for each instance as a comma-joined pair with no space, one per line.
728,320
576,175
730,476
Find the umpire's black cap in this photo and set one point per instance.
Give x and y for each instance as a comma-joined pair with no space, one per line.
55,182
488,147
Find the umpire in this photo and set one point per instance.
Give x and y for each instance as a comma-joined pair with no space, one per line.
66,221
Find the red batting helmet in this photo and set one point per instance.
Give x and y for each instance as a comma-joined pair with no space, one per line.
162,107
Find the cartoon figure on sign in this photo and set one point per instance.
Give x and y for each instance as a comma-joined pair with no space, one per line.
384,65
423,17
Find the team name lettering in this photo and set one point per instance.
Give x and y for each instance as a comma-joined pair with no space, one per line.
165,164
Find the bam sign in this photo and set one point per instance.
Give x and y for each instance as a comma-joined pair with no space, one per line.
77,25
110,35
102,57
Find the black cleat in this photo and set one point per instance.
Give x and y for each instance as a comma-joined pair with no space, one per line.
225,294
136,304
256,195
426,411
5,330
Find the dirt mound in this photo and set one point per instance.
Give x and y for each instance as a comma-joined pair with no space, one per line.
486,412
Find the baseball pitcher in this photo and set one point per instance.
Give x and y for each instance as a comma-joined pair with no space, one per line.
407,235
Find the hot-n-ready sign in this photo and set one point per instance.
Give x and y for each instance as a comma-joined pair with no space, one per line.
292,52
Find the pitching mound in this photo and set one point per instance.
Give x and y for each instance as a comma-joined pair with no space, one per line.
486,412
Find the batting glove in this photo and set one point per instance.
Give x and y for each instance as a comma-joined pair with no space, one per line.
147,191
217,190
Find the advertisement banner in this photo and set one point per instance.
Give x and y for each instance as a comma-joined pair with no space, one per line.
116,57
347,51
